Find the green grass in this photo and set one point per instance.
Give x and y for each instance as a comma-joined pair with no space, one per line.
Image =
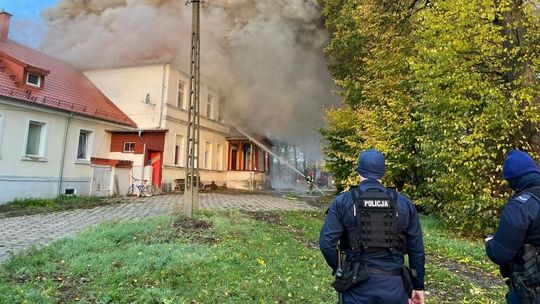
245,261
239,259
41,205
465,251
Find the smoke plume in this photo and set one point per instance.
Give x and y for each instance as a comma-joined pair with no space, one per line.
264,55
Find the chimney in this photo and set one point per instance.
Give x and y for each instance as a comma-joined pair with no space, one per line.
4,25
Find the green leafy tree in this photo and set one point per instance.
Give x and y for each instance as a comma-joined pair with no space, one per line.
450,87
343,139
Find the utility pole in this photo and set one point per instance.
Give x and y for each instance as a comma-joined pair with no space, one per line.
191,191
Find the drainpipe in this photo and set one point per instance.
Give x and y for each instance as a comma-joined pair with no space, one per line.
162,96
61,175
144,156
252,186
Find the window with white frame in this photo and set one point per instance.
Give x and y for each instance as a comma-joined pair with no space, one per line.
35,139
181,94
208,156
129,146
33,80
210,106
219,157
179,150
83,148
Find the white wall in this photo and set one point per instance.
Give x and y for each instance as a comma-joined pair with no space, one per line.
128,87
40,177
246,180
172,172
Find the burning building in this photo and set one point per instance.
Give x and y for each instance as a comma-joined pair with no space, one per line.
263,57
155,96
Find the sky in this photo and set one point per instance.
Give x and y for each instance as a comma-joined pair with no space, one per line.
27,26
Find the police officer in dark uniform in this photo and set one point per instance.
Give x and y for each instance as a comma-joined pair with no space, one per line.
514,245
375,227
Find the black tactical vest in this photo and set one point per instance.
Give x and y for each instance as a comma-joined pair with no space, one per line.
523,273
377,226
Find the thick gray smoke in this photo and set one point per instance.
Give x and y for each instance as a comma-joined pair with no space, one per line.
264,55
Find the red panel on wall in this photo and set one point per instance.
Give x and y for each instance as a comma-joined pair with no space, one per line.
154,141
118,140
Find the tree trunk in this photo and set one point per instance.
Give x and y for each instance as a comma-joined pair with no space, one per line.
519,73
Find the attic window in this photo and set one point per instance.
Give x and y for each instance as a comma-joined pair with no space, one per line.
33,80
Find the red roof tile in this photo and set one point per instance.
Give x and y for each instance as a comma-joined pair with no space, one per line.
64,87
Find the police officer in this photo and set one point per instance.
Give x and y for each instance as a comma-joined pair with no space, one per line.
375,226
513,247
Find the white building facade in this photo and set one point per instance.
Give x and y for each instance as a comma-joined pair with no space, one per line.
53,128
156,97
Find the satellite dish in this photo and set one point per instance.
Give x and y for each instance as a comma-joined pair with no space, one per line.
147,100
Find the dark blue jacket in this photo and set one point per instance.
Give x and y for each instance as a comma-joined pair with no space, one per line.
519,223
340,217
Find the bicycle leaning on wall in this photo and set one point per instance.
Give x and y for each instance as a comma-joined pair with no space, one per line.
143,189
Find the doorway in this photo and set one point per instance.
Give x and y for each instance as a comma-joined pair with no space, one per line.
101,181
155,159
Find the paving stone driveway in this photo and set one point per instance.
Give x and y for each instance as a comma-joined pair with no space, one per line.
20,233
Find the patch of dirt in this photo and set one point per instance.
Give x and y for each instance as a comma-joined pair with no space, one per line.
189,224
468,273
68,290
21,279
321,202
444,297
198,231
312,245
266,217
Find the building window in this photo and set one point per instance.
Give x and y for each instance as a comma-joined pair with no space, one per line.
210,107
69,191
219,157
220,109
129,146
181,94
35,139
83,149
33,80
208,156
179,150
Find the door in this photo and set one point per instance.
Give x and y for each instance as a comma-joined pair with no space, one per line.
156,161
101,181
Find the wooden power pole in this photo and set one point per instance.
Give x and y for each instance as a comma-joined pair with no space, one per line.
191,192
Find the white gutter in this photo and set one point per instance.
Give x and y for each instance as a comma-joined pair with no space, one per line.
162,96
61,175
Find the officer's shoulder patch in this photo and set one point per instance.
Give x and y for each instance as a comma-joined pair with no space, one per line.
522,198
